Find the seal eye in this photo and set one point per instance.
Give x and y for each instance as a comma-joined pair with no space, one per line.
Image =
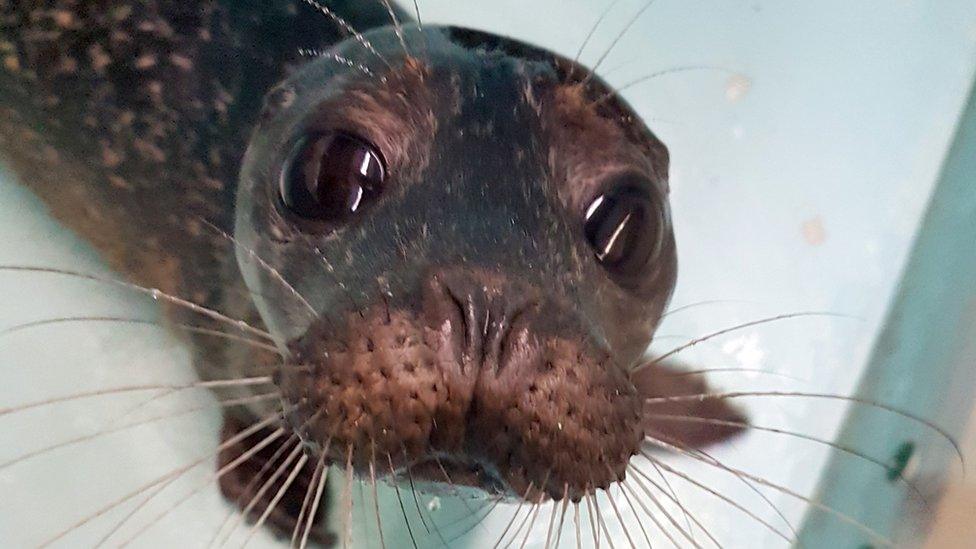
625,227
331,176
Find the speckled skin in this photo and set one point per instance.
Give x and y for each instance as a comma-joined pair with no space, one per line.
480,330
130,119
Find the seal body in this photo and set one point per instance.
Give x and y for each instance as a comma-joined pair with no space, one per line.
130,119
456,284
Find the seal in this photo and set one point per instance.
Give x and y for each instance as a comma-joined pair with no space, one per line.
459,244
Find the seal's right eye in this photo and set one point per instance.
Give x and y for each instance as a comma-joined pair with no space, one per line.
331,176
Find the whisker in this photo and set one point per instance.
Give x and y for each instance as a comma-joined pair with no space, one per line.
174,473
589,513
275,273
163,486
420,26
348,28
889,468
347,501
316,501
92,436
372,481
736,505
783,490
514,516
132,512
736,328
620,518
231,466
562,514
311,52
450,481
416,10
403,510
623,490
654,519
532,507
576,525
673,496
616,40
124,320
592,31
552,524
154,293
657,503
416,502
599,519
535,514
477,523
552,519
246,513
657,74
704,371
319,468
825,396
264,380
251,485
277,498
706,303
744,481
155,398
397,27
361,485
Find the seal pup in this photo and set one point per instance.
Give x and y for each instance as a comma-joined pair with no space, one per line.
455,286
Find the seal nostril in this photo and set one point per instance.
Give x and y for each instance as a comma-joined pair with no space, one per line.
489,308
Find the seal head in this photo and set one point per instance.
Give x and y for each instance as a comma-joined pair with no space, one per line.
463,243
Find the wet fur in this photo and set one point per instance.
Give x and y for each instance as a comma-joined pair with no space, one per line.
131,124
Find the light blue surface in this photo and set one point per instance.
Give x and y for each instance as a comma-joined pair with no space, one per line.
798,185
924,363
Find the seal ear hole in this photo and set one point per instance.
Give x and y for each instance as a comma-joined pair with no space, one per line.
330,177
626,227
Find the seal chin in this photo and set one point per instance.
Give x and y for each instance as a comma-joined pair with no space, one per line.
516,404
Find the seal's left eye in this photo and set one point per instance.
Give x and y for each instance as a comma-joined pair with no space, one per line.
626,227
331,176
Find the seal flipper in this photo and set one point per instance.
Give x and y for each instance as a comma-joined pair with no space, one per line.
708,420
242,483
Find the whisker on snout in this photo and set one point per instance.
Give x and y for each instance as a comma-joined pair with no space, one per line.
945,435
175,473
138,321
154,293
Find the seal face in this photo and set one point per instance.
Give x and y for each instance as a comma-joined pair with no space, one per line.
479,244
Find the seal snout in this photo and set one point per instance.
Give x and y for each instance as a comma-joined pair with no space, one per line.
485,307
489,377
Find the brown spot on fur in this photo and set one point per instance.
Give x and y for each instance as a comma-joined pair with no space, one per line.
181,62
119,182
64,19
99,58
110,157
121,13
149,150
11,63
145,62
